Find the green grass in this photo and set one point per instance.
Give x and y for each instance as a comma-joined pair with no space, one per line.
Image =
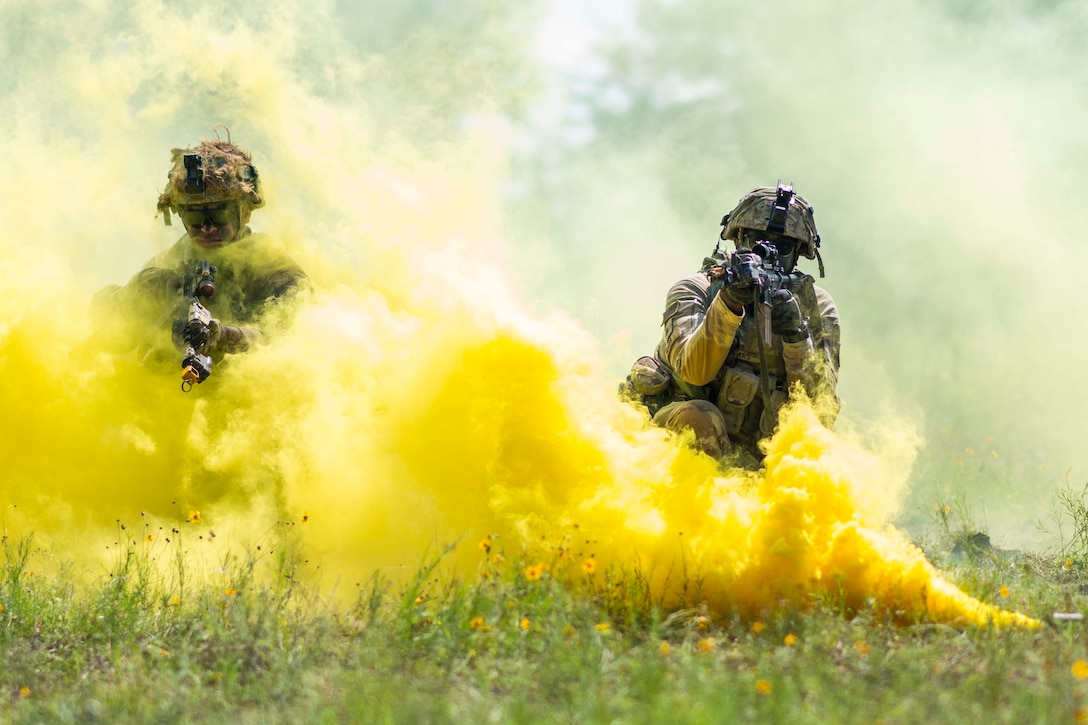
255,641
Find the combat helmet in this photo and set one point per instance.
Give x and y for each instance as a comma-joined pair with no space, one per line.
779,210
214,171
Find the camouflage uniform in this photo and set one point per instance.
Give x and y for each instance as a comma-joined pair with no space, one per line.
253,273
706,373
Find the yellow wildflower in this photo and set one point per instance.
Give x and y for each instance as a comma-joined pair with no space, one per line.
589,566
701,622
194,517
664,649
535,572
477,623
1068,564
498,559
24,691
708,645
231,592
862,648
1080,669
763,687
485,545
1003,592
525,624
603,627
757,627
150,537
790,640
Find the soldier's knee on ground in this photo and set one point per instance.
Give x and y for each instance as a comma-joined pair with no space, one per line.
703,418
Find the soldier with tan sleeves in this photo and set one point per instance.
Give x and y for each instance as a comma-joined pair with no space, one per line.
213,188
744,333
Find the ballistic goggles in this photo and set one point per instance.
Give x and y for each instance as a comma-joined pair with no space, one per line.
219,216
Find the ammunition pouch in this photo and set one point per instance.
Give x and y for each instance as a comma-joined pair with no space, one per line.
649,383
648,376
738,390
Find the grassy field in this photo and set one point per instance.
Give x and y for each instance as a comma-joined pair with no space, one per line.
516,645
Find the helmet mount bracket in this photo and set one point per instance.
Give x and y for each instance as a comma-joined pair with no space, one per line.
776,220
194,174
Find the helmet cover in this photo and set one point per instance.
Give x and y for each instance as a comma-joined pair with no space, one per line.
214,171
757,210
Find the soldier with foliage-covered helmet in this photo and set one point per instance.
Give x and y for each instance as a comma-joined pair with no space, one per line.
213,189
745,334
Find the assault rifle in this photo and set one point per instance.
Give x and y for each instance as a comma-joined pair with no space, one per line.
192,332
758,268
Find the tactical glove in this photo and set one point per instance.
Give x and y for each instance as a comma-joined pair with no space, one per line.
741,289
738,294
228,338
786,317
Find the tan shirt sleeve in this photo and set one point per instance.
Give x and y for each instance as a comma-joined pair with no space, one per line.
698,330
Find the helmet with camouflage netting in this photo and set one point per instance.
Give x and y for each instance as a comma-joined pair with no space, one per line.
213,172
778,210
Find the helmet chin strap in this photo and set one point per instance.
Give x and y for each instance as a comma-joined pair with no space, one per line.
789,262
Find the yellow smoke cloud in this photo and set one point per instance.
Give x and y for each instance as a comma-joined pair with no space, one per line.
463,418
415,401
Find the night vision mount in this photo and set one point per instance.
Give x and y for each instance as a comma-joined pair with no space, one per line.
776,221
194,174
